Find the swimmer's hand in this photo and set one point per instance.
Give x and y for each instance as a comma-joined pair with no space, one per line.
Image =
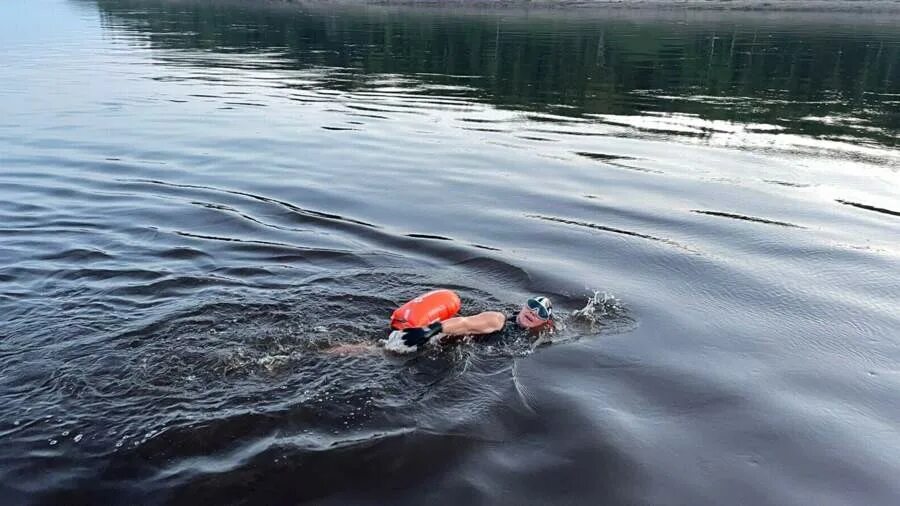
409,340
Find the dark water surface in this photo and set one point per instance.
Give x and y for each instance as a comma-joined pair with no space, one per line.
198,198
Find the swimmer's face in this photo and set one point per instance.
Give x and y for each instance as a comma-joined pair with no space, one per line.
535,314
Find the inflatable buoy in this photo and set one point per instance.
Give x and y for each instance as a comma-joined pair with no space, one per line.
426,309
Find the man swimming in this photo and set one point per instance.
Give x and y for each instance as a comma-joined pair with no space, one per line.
535,315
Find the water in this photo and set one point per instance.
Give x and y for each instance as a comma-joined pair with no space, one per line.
199,199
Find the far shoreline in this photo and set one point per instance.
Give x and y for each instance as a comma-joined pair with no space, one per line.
819,6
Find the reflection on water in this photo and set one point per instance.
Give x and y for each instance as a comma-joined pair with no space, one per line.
686,74
199,198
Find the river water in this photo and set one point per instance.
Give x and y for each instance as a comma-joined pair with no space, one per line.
198,199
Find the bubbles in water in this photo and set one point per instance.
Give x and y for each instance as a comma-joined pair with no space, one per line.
78,438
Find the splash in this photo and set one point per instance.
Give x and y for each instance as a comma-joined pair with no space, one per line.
395,344
602,314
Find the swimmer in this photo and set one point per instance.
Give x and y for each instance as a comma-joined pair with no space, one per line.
536,315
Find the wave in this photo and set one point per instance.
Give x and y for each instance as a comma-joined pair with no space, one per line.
613,230
868,207
746,218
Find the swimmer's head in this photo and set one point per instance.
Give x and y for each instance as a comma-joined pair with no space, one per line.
536,313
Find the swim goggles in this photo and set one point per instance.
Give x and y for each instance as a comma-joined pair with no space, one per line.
540,309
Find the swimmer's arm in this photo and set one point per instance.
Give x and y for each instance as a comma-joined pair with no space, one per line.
482,323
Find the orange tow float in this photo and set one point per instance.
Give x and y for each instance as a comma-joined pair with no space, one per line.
437,305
